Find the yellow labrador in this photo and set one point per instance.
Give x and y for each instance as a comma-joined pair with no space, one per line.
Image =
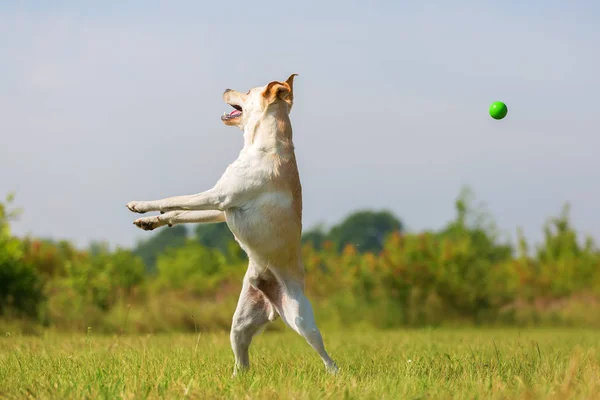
260,198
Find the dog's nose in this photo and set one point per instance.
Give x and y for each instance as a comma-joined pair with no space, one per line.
227,90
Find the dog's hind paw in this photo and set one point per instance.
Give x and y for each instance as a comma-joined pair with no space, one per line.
332,368
239,370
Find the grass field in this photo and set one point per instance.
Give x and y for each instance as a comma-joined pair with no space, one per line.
416,364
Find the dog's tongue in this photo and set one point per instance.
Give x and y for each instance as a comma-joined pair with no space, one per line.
235,113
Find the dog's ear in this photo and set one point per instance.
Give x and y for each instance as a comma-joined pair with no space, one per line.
290,83
280,90
276,90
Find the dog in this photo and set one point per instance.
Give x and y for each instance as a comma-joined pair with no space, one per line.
259,196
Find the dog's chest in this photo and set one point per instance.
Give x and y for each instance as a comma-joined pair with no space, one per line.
259,213
258,222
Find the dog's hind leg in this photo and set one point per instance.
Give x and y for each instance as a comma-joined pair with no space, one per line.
253,312
299,310
296,311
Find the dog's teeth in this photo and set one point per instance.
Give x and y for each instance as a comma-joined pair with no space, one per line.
224,114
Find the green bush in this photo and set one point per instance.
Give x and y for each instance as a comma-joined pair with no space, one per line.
192,267
20,288
461,274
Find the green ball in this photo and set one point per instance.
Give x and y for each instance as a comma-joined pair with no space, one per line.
498,110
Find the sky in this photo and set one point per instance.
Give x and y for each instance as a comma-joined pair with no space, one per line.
118,101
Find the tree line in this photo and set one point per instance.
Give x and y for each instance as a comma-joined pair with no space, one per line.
365,270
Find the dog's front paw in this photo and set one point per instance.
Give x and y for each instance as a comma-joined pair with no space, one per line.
148,223
139,207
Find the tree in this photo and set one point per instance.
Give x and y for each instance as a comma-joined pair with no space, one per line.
214,236
315,236
366,230
148,250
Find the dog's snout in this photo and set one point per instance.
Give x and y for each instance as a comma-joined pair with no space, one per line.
227,91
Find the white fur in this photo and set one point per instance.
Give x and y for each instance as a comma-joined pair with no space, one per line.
259,202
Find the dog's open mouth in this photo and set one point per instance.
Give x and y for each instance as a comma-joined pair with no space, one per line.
232,115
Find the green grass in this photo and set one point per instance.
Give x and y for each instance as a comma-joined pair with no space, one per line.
416,364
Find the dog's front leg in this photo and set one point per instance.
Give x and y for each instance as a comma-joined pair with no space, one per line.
212,199
180,217
232,190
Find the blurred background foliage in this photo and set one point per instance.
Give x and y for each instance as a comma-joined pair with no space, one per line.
364,271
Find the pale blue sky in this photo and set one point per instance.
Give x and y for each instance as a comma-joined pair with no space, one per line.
104,104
